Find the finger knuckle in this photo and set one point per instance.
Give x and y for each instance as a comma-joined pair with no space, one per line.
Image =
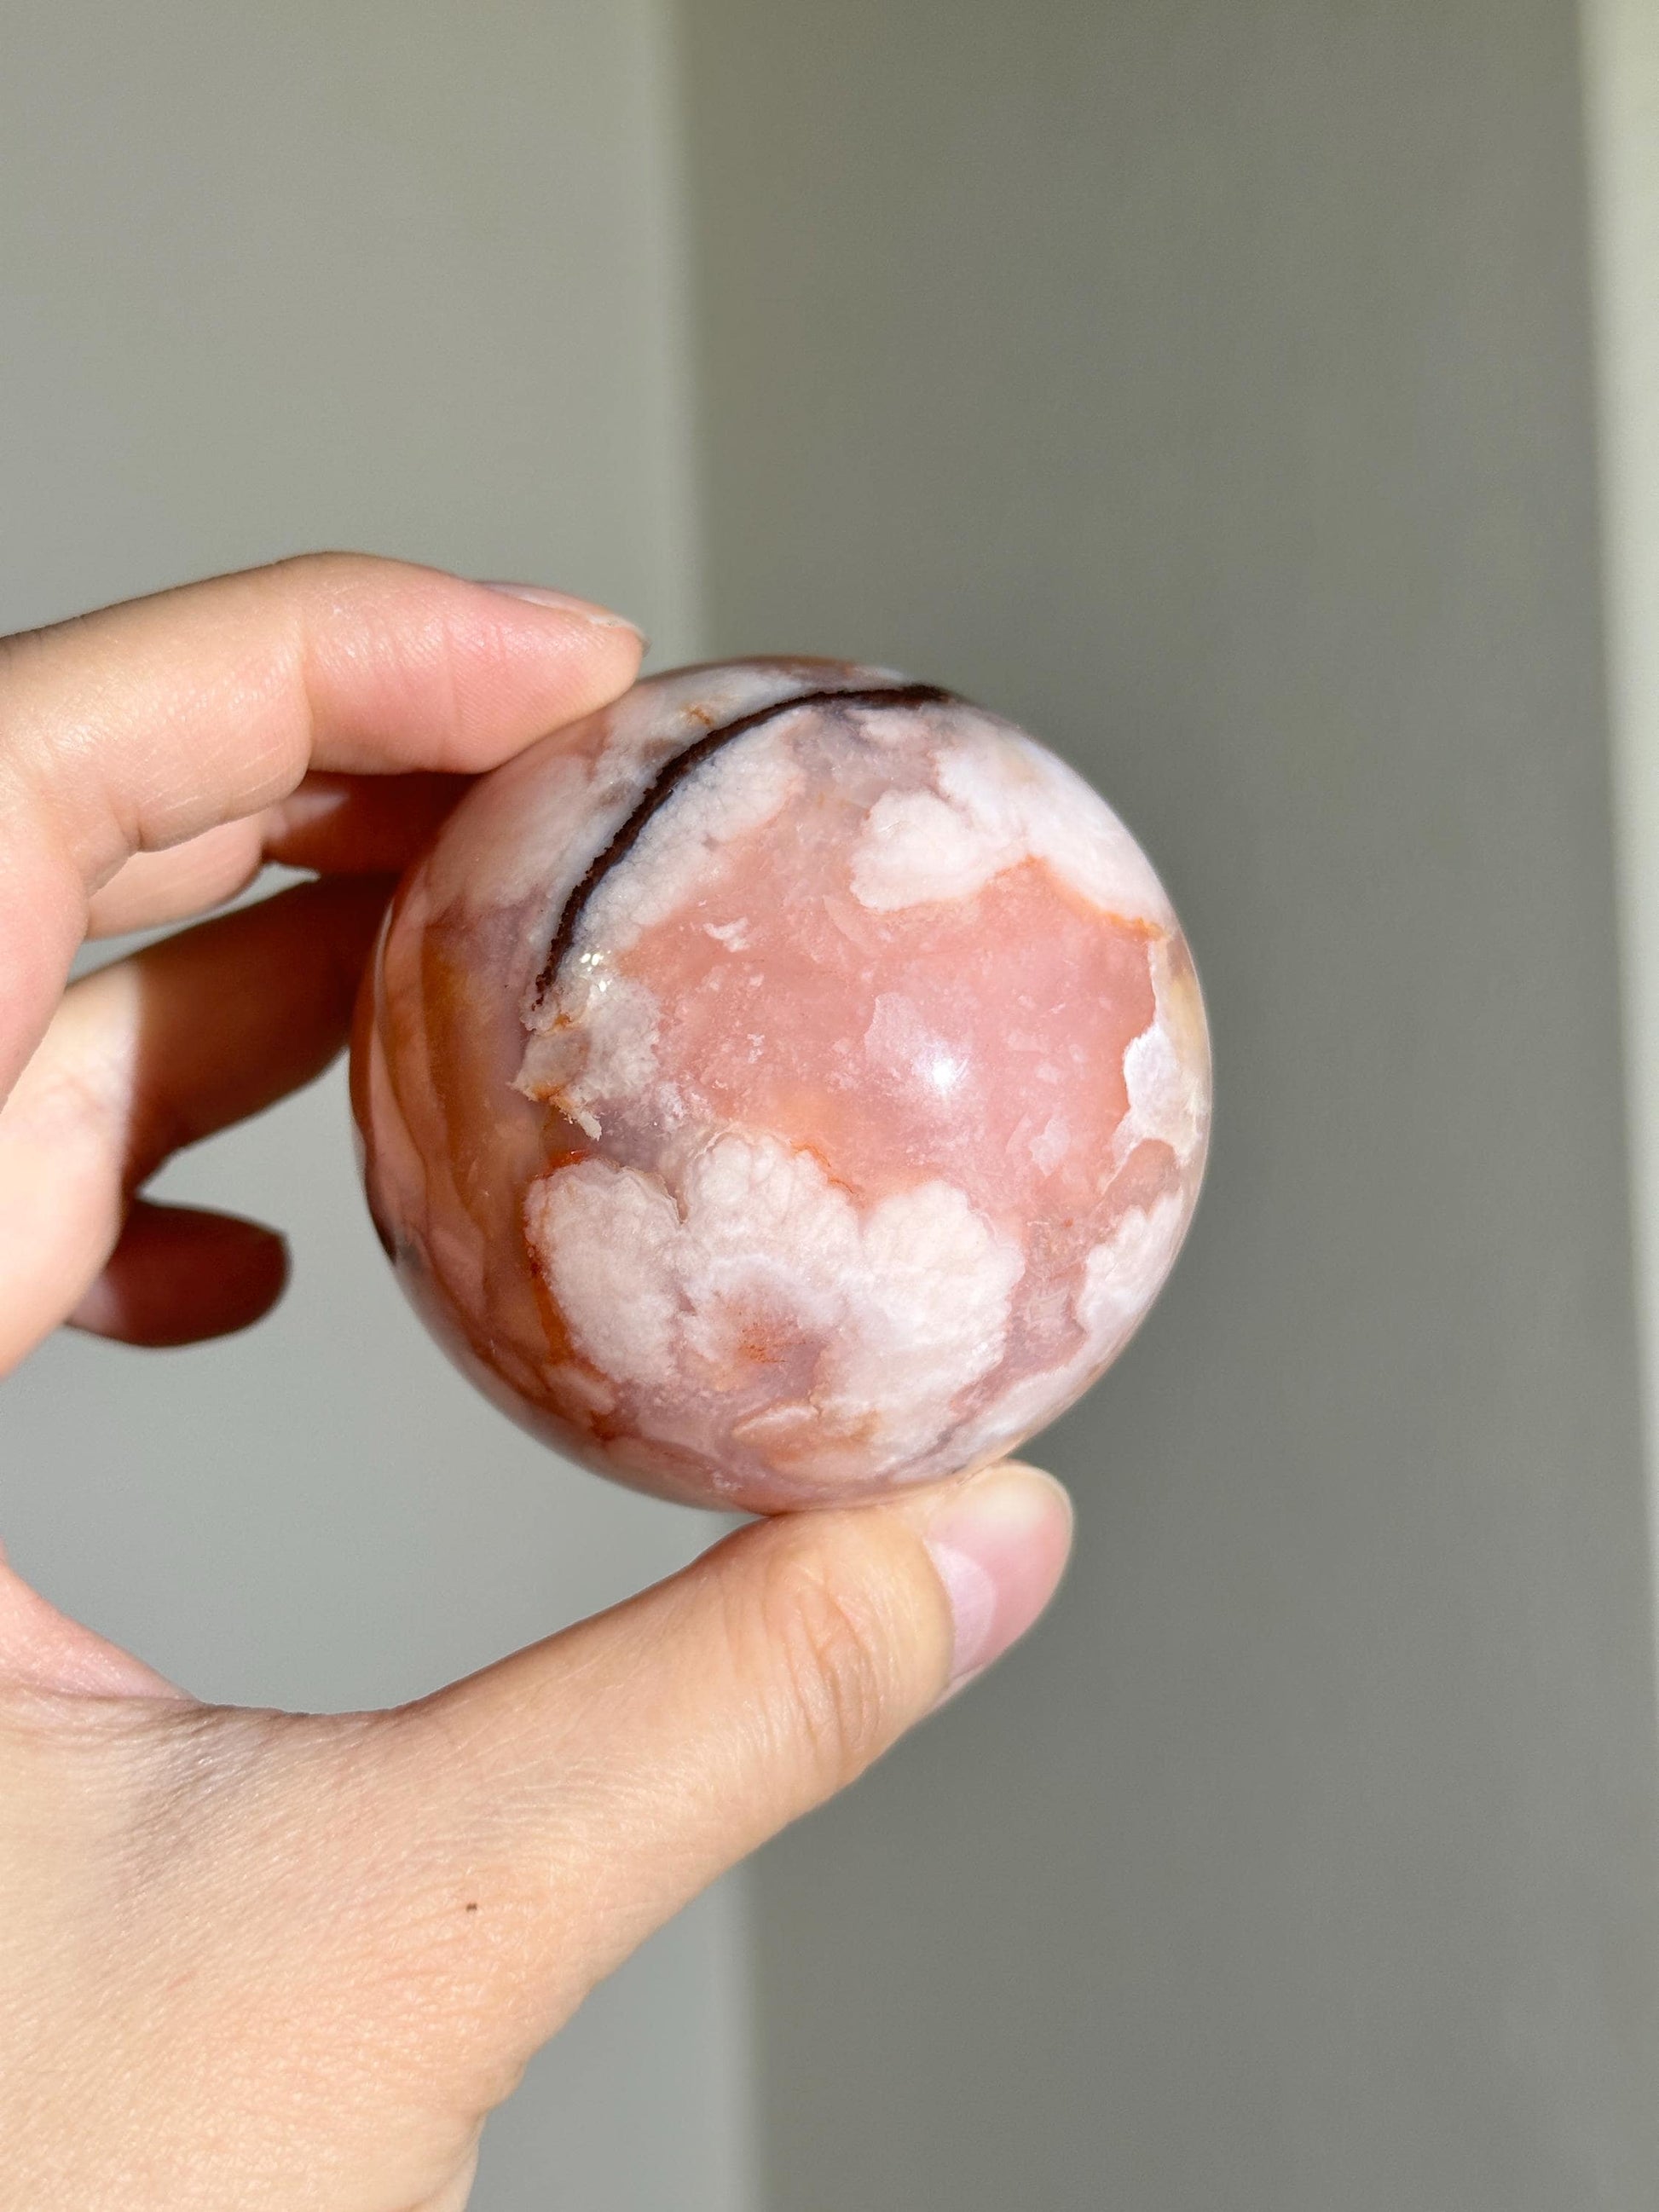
826,1629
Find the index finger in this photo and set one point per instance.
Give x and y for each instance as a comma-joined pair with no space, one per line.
133,729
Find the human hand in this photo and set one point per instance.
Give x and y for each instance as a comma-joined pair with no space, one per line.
285,1960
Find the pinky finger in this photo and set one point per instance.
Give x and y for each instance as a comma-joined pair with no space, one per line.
179,1274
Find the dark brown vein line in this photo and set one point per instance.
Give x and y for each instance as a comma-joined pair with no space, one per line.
673,773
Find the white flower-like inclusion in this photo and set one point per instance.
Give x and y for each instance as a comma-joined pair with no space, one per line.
601,1043
757,1293
1000,800
1167,1088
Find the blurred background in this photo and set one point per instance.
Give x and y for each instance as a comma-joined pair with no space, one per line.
1260,400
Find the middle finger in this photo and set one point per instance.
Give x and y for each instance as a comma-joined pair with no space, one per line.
335,824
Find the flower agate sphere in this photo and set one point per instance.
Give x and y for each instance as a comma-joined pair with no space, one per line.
788,1084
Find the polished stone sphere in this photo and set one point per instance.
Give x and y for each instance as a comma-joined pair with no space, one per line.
788,1084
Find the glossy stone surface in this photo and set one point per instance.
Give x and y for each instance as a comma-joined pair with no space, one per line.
788,1084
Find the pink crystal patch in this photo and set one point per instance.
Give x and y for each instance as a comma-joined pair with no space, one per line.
788,1084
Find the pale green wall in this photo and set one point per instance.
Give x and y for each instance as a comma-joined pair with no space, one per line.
1621,49
1210,386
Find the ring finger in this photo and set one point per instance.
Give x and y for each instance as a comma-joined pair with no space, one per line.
144,1057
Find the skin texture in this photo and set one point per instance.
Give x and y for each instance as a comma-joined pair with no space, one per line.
271,1960
787,1084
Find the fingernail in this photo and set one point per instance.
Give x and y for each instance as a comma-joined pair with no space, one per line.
564,603
1000,1548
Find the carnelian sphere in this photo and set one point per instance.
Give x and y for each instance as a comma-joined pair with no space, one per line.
788,1084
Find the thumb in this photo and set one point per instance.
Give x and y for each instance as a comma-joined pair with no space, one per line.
590,1785
349,1933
